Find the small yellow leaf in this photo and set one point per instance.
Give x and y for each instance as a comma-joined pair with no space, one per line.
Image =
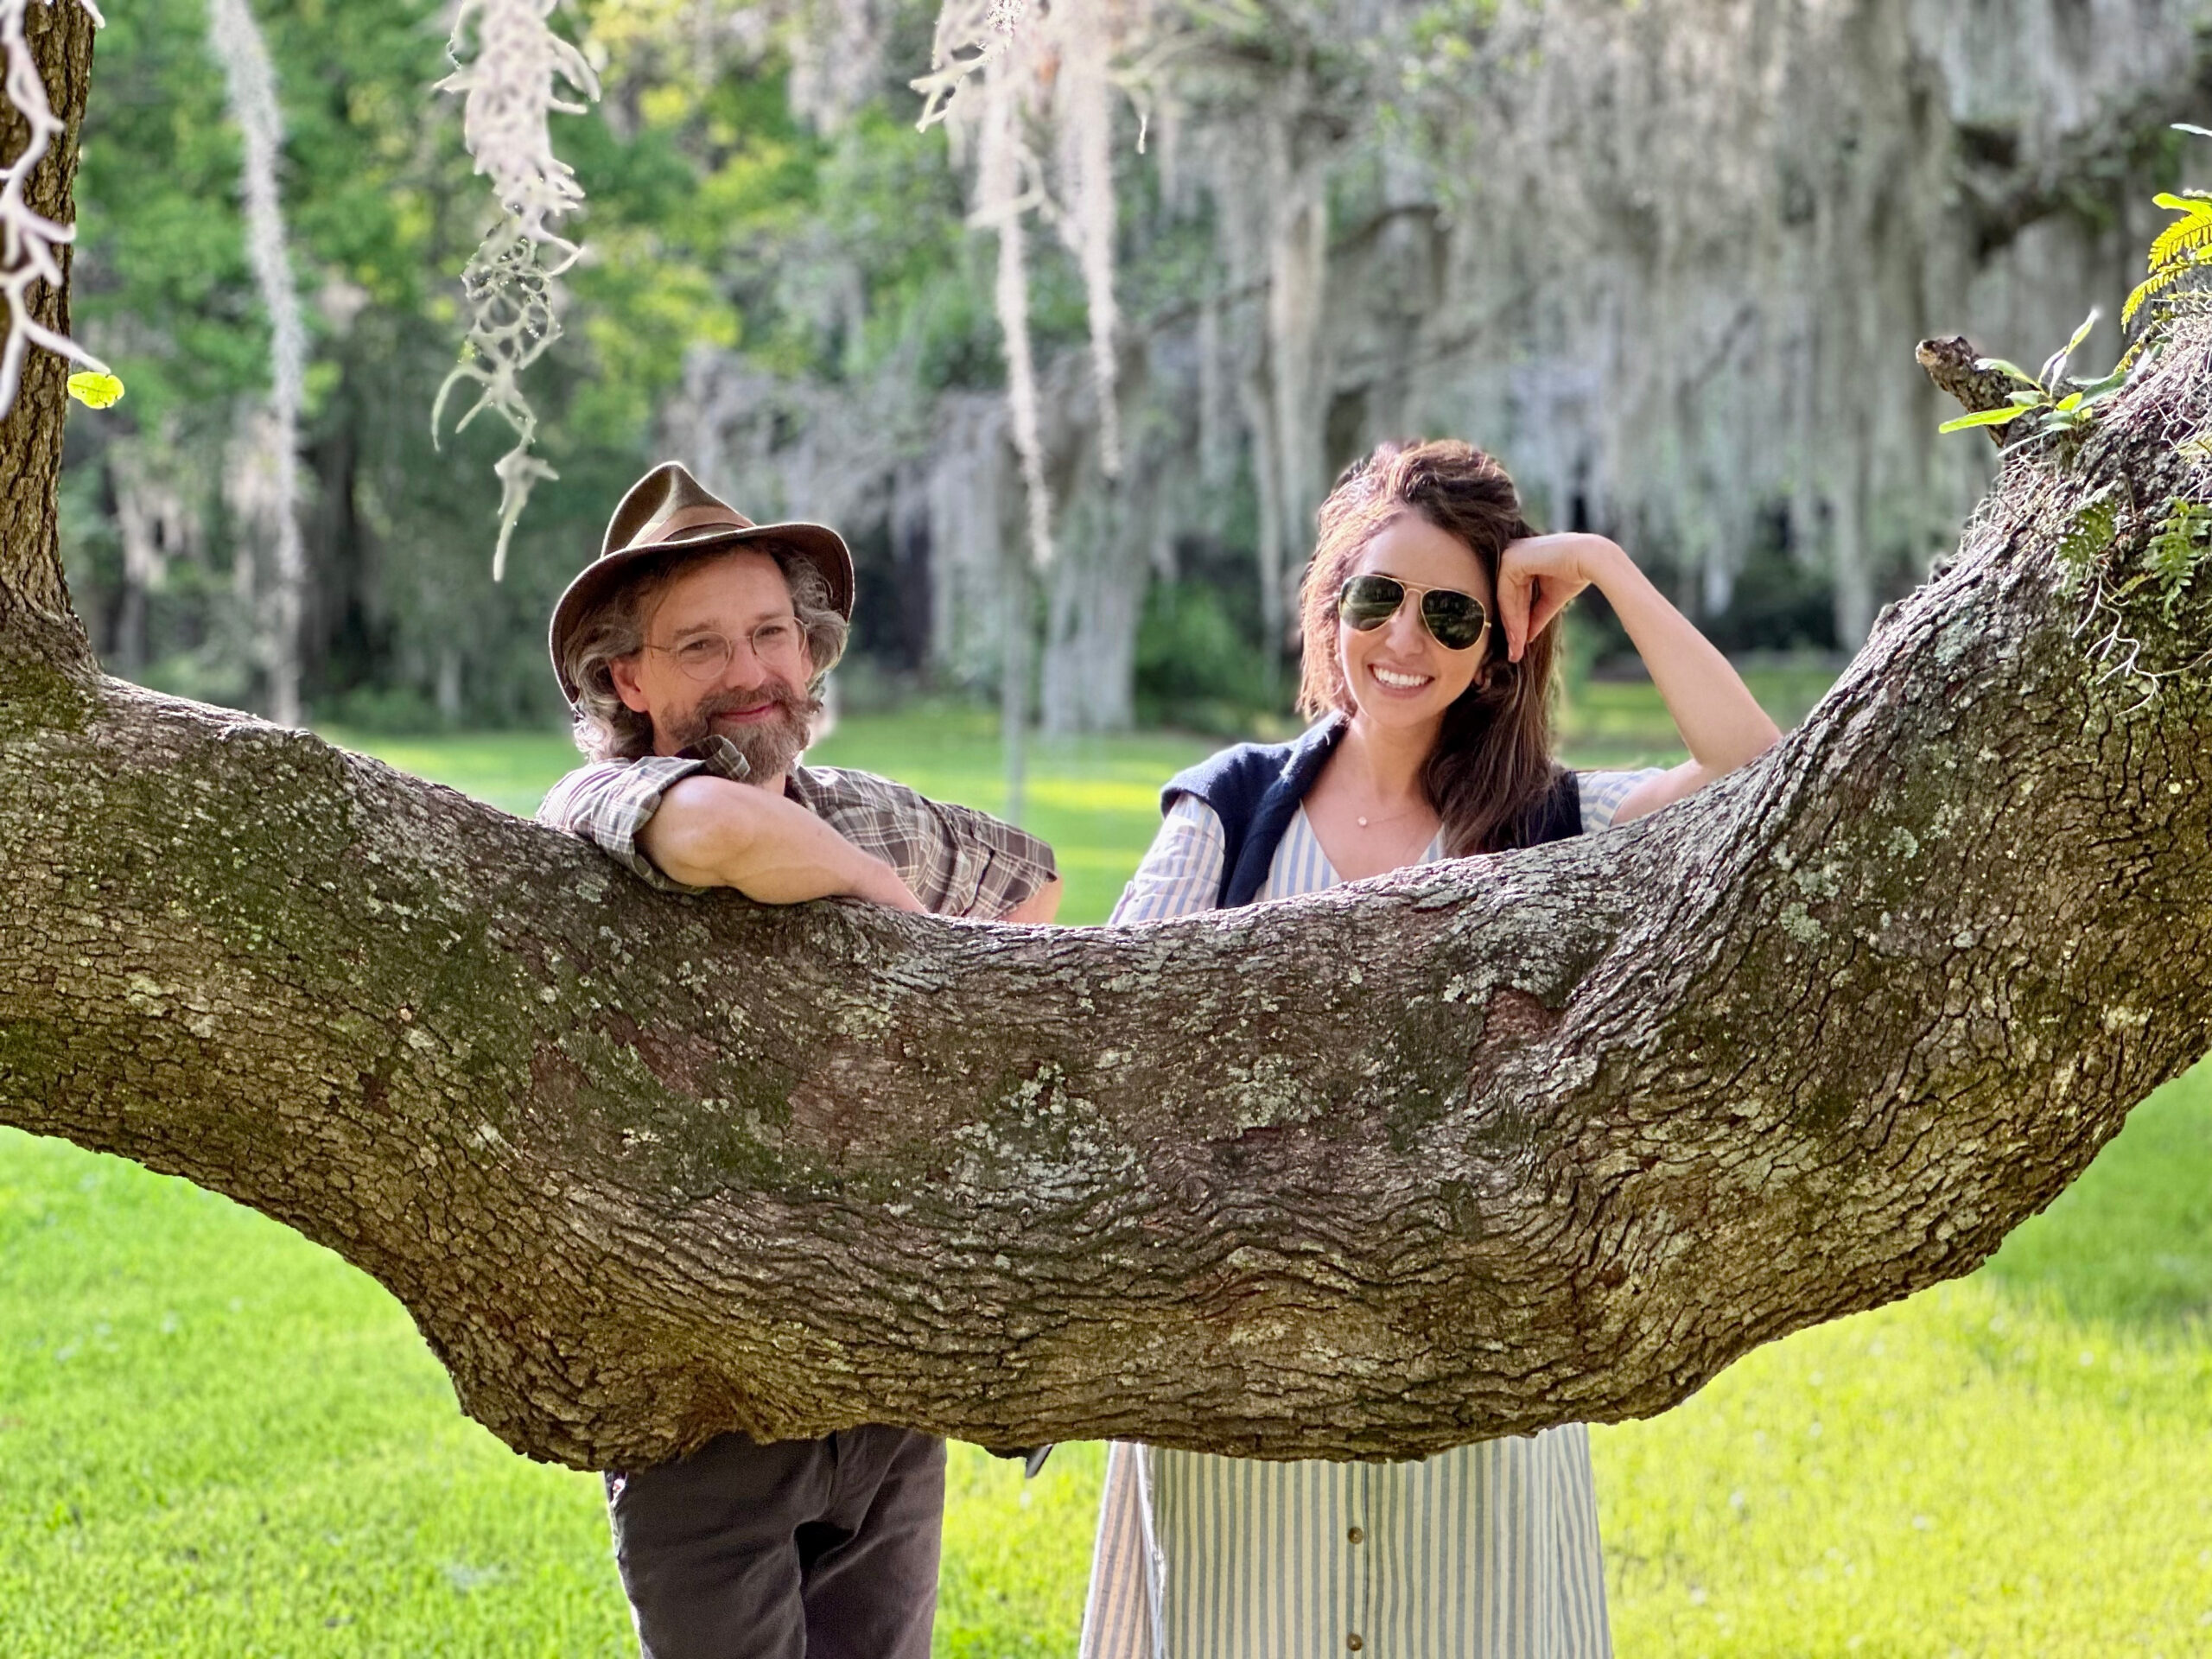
95,390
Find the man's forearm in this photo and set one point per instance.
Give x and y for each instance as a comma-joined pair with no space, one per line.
710,832
1039,906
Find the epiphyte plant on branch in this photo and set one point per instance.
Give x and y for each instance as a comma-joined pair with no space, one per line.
2053,404
2103,527
2181,249
511,85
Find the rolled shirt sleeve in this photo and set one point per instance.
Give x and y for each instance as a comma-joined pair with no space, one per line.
956,860
608,803
1602,793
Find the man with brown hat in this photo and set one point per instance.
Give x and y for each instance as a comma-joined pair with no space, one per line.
692,652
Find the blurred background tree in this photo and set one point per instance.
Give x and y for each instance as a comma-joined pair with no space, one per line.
1659,258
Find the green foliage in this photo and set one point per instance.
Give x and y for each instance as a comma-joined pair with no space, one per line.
375,187
1198,667
2181,248
2088,537
1444,42
2176,551
2090,550
717,218
2055,406
96,390
836,255
2004,417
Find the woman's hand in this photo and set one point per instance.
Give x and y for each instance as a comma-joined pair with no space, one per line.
1538,575
1721,723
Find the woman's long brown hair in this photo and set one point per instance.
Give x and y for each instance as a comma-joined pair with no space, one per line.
1493,764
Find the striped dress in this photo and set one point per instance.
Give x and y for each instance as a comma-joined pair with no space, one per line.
1486,1551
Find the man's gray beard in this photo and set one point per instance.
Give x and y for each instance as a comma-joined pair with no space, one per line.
769,748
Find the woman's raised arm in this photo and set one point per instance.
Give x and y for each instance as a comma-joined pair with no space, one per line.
1721,723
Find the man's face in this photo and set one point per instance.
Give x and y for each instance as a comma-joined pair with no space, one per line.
724,653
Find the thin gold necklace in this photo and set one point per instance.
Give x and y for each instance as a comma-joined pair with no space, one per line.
1393,818
1405,855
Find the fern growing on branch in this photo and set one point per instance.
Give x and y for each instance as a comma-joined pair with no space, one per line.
2176,549
2183,249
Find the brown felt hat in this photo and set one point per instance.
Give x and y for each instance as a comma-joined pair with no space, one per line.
666,513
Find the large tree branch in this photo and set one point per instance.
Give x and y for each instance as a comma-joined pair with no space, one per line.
1491,1146
34,599
1496,1145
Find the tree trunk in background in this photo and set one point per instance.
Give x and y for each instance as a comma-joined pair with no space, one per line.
1297,354
1124,526
260,487
1483,1147
1018,630
1088,663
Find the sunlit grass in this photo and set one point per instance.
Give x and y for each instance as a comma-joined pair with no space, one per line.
511,769
2019,1463
220,1440
1622,723
1096,799
1017,1553
216,1439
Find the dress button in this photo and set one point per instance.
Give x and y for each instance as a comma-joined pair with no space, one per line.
1357,1535
1354,1643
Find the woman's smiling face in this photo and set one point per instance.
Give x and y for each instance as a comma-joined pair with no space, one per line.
1398,675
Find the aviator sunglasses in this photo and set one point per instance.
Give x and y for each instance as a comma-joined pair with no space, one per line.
1455,620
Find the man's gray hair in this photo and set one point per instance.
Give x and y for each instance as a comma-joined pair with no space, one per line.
608,729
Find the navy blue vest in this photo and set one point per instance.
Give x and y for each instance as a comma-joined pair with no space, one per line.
1254,789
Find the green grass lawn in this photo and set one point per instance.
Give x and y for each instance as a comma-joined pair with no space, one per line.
216,1439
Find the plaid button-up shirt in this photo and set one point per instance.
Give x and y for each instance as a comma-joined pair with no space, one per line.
956,860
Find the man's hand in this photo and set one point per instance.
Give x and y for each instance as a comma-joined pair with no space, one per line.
710,832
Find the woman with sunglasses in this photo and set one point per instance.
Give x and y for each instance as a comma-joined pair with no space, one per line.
1428,659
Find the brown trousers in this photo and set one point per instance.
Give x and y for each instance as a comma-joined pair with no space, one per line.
797,1549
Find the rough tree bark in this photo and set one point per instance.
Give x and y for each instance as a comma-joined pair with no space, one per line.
1488,1146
